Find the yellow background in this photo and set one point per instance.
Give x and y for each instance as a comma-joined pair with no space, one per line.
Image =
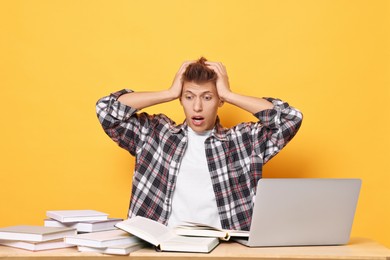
328,58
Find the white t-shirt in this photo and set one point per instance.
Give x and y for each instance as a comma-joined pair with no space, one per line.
194,198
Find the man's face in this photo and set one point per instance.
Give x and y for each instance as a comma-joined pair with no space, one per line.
200,103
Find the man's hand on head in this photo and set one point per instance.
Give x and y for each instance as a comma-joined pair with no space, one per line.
177,84
222,84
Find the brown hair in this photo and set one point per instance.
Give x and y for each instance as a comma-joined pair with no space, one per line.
199,72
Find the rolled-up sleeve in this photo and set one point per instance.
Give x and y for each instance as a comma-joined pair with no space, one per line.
116,120
279,126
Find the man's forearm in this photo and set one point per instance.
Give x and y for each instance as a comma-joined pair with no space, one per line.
140,100
248,103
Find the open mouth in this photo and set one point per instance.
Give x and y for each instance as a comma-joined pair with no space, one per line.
197,120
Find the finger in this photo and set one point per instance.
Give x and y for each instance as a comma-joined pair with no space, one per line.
184,66
213,65
186,63
217,64
218,68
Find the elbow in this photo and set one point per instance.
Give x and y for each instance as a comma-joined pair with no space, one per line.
299,119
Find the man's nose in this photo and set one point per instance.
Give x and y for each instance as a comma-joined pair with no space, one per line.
198,105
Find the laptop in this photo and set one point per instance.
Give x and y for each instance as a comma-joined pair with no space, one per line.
303,212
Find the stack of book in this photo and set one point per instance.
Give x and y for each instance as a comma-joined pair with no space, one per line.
96,232
35,238
85,221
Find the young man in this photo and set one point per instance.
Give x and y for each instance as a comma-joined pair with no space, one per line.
198,170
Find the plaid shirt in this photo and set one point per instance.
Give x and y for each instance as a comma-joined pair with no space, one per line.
235,156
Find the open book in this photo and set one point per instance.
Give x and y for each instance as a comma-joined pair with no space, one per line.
202,230
165,239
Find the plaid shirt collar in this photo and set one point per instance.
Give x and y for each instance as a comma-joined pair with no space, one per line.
218,130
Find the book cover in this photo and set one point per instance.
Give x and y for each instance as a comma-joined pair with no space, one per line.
76,215
35,233
86,227
101,239
36,246
163,238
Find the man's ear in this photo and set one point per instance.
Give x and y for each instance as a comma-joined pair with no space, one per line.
221,102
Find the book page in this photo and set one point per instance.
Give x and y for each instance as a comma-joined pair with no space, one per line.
146,229
194,226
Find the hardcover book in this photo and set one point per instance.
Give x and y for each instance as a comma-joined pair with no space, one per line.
88,226
124,249
36,246
35,233
76,215
102,239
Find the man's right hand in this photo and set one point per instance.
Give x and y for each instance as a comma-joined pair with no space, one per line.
177,84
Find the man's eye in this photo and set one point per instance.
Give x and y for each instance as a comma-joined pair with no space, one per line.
207,97
188,97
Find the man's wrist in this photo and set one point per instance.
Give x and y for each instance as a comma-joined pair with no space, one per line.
227,97
169,95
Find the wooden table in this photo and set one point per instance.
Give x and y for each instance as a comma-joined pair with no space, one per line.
357,248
